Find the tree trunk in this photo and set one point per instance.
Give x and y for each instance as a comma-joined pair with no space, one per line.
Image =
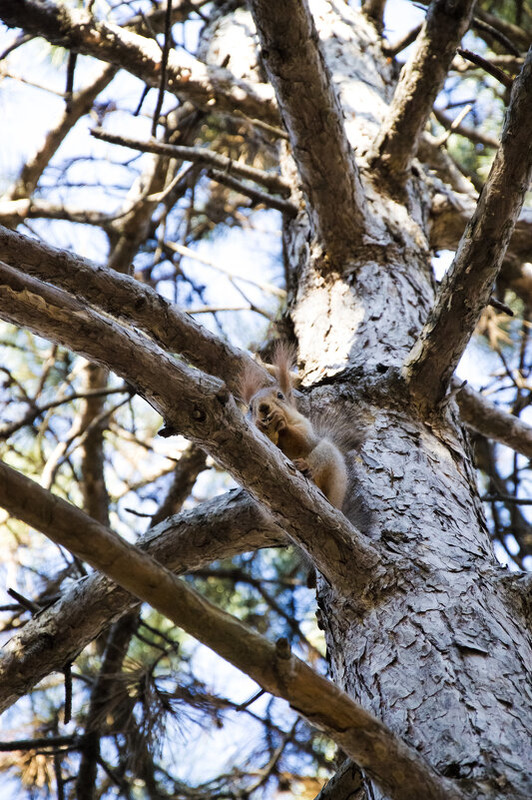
437,648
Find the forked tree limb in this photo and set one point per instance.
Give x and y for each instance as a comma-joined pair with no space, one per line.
467,286
421,79
201,408
127,298
216,529
144,308
313,118
77,29
394,766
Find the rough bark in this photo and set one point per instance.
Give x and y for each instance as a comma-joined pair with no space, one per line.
273,667
121,295
442,653
207,414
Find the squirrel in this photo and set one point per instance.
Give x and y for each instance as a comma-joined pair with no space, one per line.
273,410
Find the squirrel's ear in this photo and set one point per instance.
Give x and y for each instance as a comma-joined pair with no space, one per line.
249,383
284,358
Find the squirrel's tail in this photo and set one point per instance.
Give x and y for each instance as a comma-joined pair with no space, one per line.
284,359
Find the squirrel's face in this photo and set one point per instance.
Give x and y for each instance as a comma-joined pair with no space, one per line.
264,403
265,410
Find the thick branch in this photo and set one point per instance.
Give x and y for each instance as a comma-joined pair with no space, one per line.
394,766
467,286
125,297
207,414
313,117
77,29
494,423
214,530
421,79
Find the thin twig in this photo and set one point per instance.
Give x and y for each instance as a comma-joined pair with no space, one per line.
199,155
33,413
164,64
284,206
392,50
470,133
43,741
500,306
23,601
189,253
19,41
455,124
71,68
485,27
486,65
506,498
67,672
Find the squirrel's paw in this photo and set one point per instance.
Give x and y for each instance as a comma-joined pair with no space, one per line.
277,420
303,466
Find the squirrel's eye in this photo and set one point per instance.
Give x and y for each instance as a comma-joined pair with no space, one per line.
280,395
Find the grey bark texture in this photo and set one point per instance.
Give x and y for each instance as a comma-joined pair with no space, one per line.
442,653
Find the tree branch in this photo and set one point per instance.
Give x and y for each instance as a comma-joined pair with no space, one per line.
208,415
421,79
467,286
199,155
462,130
374,11
486,65
313,117
125,297
214,530
363,737
494,423
13,212
512,32
77,29
284,206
